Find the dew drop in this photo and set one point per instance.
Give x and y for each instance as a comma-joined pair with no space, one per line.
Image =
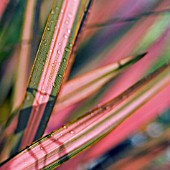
64,127
45,42
59,43
43,90
67,22
50,77
62,10
70,15
52,134
72,132
69,31
60,75
64,60
58,51
48,28
41,148
52,12
65,36
28,98
67,49
70,44
107,107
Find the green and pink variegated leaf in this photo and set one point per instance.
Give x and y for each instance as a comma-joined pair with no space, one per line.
130,77
24,54
155,52
49,68
84,86
71,139
133,123
87,84
131,40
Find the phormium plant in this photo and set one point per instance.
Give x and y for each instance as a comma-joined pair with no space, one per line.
98,88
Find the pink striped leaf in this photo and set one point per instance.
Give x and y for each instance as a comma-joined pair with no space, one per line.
71,139
84,86
48,70
130,77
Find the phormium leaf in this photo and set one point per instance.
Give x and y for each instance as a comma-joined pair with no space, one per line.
48,69
24,54
84,86
63,144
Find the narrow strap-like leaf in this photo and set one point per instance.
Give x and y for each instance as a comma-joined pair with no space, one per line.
84,86
49,68
129,19
24,54
61,145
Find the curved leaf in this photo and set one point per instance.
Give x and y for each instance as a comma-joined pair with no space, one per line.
84,86
63,144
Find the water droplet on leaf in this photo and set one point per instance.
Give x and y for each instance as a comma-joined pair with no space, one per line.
72,132
28,98
69,15
65,36
52,12
58,51
64,127
67,49
67,22
52,134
